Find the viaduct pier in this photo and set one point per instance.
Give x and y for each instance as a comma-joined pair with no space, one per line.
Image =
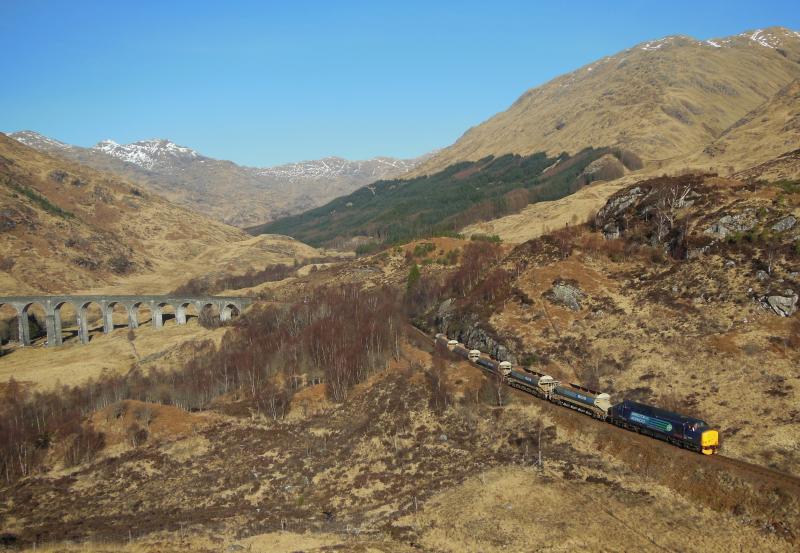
227,307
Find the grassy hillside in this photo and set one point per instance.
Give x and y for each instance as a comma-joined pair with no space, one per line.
394,210
664,99
65,227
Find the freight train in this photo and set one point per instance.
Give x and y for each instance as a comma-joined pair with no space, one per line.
677,429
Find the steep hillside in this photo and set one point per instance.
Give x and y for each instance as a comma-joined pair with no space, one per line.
664,99
773,127
65,227
392,210
222,189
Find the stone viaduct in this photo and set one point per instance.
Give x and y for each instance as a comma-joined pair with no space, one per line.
226,307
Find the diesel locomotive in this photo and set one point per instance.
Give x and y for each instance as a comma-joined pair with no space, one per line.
680,430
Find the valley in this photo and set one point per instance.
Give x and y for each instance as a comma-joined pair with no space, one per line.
629,228
220,189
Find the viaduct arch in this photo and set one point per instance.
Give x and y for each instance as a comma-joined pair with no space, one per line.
227,307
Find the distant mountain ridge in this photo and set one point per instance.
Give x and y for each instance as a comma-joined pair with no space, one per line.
232,193
666,100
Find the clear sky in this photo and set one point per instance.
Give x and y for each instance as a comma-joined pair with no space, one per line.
262,83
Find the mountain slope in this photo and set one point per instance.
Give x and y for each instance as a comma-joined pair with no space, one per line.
773,127
65,227
222,189
392,210
662,99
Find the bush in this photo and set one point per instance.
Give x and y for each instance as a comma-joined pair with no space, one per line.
413,277
120,264
208,318
486,238
423,249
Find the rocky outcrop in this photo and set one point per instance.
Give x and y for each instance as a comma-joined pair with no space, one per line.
740,222
785,224
468,331
619,203
566,294
785,305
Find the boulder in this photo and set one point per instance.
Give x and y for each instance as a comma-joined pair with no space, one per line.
468,332
566,294
787,223
611,231
740,222
618,204
762,275
785,305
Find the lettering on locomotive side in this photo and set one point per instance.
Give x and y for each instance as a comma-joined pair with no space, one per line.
651,422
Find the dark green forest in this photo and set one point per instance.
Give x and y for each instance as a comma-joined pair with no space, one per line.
392,211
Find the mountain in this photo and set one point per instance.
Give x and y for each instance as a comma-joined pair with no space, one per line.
664,99
773,127
402,209
222,189
65,227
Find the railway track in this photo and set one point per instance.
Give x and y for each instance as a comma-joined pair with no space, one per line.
789,479
425,342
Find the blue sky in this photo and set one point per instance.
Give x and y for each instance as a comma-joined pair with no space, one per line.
262,83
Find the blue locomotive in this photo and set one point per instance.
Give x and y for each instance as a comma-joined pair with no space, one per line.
674,428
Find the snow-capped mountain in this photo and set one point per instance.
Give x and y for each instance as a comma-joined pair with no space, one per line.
147,154
336,167
235,194
38,141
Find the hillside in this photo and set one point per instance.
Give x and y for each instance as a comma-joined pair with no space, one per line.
221,189
393,210
665,99
404,447
65,227
772,128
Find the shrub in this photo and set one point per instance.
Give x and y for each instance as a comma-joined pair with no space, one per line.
486,238
120,264
413,277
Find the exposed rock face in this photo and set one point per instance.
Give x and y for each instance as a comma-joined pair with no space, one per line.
469,333
566,294
740,222
785,306
611,231
785,224
618,204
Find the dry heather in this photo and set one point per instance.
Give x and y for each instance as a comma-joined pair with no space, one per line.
388,470
693,333
541,218
74,363
771,129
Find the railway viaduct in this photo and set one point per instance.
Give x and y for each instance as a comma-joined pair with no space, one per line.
227,307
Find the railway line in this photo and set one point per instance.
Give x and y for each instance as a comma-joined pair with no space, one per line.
758,473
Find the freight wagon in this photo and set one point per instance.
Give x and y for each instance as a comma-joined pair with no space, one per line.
582,399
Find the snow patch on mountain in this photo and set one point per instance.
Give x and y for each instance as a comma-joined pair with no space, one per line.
335,167
147,154
38,141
